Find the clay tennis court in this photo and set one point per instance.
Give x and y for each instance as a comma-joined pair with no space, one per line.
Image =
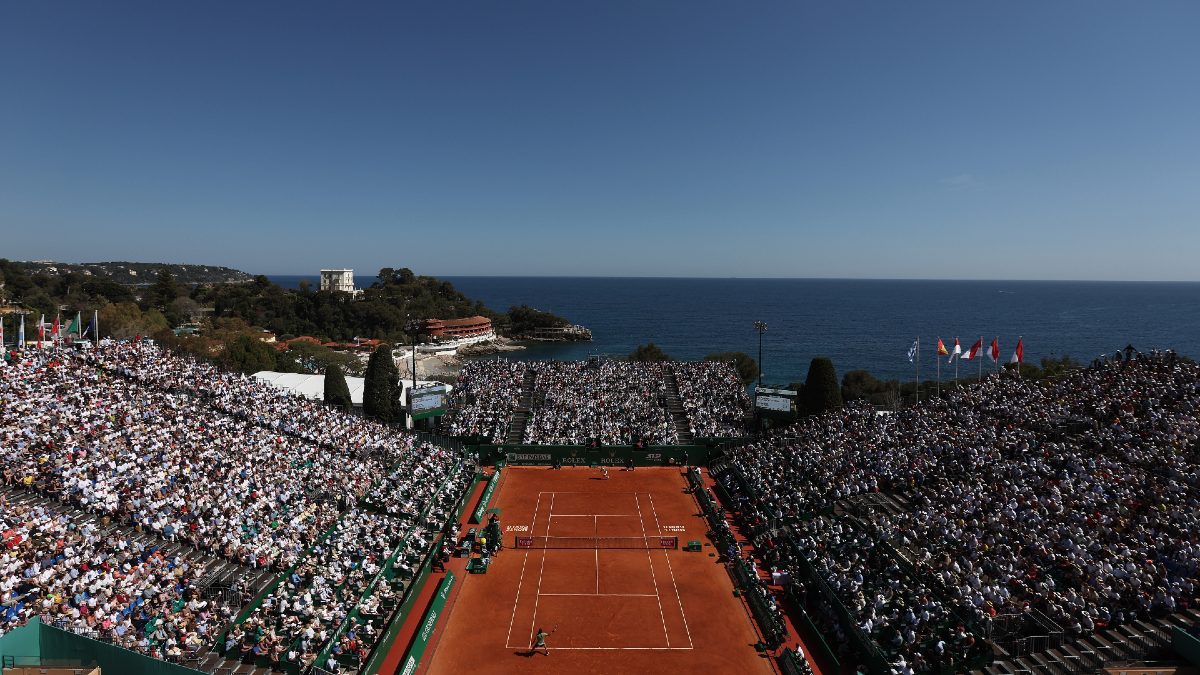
616,610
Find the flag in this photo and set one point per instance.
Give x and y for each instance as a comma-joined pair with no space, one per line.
956,351
41,330
54,331
974,351
1019,354
92,327
942,348
994,350
21,334
912,351
74,327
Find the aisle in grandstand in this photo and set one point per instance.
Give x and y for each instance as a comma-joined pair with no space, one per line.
612,402
1011,510
148,498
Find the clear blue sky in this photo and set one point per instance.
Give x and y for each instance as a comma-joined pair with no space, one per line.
1014,140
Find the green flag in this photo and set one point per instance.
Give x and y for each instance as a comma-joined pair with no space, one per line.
74,327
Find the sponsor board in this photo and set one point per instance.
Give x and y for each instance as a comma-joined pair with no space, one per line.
529,457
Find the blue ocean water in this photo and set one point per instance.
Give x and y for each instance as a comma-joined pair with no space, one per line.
858,323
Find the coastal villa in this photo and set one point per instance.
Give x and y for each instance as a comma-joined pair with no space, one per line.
461,331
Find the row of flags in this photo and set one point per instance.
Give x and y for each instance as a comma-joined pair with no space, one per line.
992,350
55,332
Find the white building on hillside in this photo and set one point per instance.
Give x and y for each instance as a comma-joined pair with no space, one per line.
337,280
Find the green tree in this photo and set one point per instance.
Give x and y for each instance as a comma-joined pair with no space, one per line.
1052,366
525,319
821,390
249,354
108,289
164,291
381,395
337,392
649,352
860,384
746,366
122,321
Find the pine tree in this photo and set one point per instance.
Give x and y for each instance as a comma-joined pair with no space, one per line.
821,389
337,392
380,386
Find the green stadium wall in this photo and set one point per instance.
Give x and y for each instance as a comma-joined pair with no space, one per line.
37,644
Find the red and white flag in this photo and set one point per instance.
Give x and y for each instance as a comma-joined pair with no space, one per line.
956,351
994,350
41,330
974,351
54,332
1019,354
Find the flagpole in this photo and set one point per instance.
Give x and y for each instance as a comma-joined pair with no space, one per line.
957,358
981,359
997,354
939,368
917,389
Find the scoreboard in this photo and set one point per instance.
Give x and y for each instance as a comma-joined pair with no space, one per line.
775,404
427,402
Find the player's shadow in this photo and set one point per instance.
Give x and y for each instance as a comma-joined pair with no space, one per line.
530,653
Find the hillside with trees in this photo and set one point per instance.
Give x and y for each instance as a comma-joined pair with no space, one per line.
228,320
138,274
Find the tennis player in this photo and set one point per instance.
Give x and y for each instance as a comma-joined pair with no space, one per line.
541,641
604,471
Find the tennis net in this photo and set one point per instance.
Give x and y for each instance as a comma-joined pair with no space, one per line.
598,542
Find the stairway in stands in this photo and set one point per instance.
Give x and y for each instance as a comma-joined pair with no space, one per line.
675,405
1106,648
516,430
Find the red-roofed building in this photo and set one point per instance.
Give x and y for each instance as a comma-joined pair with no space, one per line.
475,327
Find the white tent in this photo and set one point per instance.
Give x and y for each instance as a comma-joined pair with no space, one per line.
313,386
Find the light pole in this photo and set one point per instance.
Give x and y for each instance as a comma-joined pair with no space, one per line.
761,327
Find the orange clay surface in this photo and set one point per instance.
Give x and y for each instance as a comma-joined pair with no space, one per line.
617,610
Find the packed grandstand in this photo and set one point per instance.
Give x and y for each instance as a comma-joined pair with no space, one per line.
612,402
1009,508
149,498
156,502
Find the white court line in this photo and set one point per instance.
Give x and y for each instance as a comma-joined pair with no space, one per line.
652,576
672,571
606,595
595,515
620,648
533,623
521,579
596,524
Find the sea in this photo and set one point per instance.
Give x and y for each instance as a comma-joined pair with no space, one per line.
858,323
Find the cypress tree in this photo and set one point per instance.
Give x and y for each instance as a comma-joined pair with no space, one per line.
380,385
821,390
337,392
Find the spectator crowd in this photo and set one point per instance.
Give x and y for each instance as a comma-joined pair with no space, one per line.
611,402
485,398
1076,499
128,440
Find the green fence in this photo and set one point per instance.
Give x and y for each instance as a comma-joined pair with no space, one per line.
477,514
421,640
1185,645
823,652
38,644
